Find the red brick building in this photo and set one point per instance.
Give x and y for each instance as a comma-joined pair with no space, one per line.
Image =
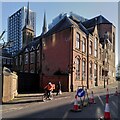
73,52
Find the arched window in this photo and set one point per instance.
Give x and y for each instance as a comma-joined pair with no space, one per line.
95,47
32,57
26,58
90,69
84,45
20,62
77,68
77,40
90,48
95,70
83,69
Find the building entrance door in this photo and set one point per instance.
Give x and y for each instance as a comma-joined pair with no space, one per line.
28,83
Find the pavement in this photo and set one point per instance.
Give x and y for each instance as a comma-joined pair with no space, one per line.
37,97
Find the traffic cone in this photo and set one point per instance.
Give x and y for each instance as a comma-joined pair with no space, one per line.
92,101
116,92
76,107
107,115
75,103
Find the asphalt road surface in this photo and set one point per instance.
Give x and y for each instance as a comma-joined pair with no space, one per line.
60,107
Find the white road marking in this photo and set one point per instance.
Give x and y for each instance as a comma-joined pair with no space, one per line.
65,115
100,100
114,104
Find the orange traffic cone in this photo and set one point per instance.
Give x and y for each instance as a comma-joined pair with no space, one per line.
92,101
76,107
75,103
107,115
116,92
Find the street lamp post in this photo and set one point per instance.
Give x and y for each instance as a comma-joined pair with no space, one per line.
70,69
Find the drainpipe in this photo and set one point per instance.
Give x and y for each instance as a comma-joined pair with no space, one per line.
71,59
87,61
40,63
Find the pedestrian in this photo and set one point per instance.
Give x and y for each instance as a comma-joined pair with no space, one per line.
59,88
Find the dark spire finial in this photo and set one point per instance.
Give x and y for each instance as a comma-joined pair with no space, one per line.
27,15
44,24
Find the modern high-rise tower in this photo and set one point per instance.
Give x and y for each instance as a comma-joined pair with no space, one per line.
16,22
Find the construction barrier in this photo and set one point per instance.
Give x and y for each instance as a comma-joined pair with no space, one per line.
81,98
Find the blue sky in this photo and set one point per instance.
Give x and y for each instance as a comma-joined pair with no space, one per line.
86,9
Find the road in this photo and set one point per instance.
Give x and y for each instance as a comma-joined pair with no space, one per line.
61,105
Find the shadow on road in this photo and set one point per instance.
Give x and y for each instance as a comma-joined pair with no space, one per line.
58,109
25,99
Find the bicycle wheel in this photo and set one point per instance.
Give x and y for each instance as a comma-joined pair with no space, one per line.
51,96
44,98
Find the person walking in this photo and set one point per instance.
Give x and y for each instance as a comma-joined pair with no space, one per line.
59,88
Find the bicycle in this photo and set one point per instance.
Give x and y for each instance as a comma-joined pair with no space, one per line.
46,97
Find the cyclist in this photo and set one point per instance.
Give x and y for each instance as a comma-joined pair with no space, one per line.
49,89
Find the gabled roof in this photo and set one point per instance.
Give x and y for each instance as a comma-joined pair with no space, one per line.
96,20
65,23
83,28
74,19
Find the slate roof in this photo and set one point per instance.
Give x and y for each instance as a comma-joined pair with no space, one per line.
5,53
96,20
91,30
65,23
87,27
74,19
78,17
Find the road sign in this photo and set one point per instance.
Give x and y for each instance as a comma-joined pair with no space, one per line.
80,93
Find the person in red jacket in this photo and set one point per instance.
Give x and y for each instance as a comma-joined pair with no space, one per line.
49,88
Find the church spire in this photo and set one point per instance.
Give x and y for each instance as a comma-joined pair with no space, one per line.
27,31
27,15
44,24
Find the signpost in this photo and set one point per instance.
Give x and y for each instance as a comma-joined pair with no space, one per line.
80,93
